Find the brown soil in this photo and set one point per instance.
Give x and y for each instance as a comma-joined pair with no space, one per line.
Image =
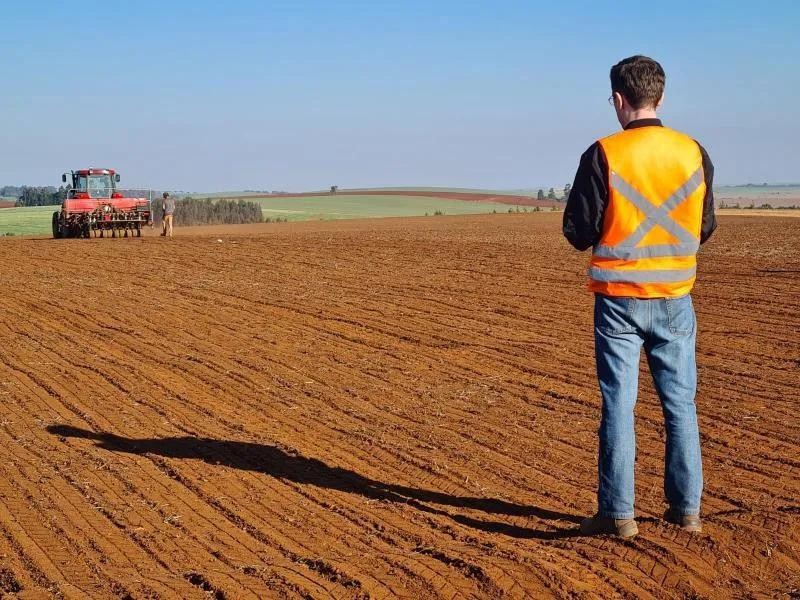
7,203
395,408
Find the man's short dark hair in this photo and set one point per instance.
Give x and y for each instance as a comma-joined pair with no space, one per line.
166,194
640,79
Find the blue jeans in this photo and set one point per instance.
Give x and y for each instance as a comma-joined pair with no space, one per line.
666,327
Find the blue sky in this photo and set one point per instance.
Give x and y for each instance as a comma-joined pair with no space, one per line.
301,95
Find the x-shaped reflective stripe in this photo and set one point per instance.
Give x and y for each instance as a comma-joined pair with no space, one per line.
654,215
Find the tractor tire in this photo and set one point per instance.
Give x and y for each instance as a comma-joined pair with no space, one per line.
57,234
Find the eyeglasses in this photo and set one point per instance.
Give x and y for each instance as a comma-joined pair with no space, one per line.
611,99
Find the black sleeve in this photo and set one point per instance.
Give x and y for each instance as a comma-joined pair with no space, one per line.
583,215
709,218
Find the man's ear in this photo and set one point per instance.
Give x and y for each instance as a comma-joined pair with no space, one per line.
619,100
660,101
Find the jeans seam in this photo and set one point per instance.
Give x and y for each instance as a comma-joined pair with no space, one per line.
685,512
616,515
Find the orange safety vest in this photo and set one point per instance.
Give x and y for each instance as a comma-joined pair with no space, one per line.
652,222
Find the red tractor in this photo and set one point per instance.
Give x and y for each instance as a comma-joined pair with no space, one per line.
94,206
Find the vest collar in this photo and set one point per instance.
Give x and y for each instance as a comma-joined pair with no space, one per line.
643,123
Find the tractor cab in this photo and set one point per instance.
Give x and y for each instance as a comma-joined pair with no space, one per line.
96,184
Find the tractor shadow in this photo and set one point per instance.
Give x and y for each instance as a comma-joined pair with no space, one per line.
289,466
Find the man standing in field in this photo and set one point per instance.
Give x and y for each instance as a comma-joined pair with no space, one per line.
643,200
167,211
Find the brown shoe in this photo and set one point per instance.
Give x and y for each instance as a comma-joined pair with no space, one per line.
690,523
596,525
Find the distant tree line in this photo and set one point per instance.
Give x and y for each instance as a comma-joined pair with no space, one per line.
205,211
551,194
10,191
752,205
40,196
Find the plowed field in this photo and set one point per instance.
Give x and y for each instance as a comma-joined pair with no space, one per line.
379,409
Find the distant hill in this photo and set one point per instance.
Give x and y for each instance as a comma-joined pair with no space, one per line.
462,195
744,195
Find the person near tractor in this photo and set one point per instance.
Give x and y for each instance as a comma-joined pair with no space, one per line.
167,213
643,201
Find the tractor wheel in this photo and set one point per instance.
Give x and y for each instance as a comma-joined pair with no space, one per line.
56,225
138,231
86,231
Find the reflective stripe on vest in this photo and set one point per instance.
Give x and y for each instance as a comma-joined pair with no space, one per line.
639,276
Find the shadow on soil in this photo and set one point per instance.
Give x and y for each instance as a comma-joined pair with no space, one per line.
275,462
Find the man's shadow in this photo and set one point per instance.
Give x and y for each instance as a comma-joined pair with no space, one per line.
275,462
